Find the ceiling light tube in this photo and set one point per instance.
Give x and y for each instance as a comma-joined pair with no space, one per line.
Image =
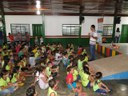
38,12
38,6
38,2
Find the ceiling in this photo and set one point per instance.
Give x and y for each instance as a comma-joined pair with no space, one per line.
66,7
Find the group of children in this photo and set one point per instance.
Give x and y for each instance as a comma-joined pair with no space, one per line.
13,67
45,60
79,72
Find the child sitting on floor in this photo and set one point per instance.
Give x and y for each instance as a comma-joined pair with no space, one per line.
65,59
86,77
79,90
31,91
91,70
80,62
52,88
69,79
43,80
51,70
37,74
98,86
79,50
6,87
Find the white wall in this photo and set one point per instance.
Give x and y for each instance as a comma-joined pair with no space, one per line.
53,24
22,19
89,20
108,20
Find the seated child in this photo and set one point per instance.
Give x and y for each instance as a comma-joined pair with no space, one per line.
58,56
9,66
51,70
86,78
75,73
32,60
98,86
43,80
79,50
37,73
79,90
91,70
6,87
80,62
69,79
31,91
37,54
85,57
84,51
52,88
65,59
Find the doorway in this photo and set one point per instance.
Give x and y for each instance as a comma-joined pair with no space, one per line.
124,34
37,30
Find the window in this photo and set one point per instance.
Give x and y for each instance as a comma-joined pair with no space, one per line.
70,29
107,30
22,28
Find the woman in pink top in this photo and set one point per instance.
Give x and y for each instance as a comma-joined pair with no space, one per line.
18,48
69,79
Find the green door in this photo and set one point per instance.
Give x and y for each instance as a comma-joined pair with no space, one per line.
37,30
124,34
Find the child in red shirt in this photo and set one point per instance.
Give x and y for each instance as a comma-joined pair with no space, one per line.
79,50
69,79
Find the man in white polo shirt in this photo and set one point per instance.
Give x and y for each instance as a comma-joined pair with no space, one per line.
92,42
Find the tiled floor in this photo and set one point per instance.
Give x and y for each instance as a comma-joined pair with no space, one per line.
119,87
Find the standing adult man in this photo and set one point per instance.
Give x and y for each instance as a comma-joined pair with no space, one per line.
93,37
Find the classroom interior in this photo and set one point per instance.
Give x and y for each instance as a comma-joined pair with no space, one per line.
68,22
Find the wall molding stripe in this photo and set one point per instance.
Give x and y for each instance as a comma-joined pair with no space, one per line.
60,36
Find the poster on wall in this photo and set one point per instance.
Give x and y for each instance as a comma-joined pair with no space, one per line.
100,30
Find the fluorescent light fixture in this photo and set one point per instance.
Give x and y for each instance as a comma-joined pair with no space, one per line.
38,2
38,12
38,6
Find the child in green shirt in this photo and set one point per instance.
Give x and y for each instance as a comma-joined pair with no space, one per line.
5,86
80,63
98,86
52,88
85,77
51,71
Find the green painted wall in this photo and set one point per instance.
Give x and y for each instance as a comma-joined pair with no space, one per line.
109,40
65,41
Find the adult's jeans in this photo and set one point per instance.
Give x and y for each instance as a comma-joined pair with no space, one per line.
92,52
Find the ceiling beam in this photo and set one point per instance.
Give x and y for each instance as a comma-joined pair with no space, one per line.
63,14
